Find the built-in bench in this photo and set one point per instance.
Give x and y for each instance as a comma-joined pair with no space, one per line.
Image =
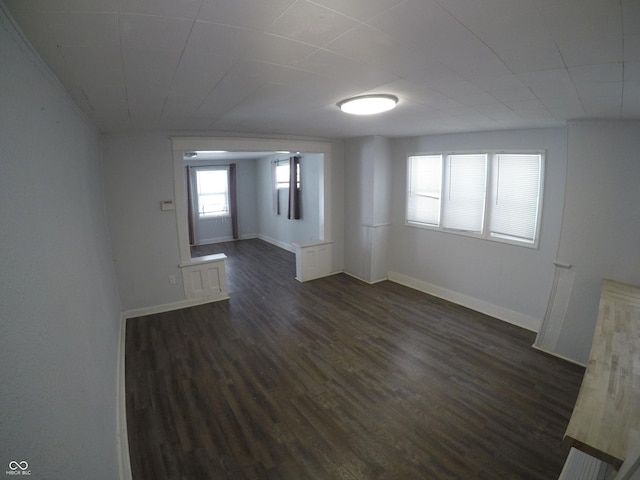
205,278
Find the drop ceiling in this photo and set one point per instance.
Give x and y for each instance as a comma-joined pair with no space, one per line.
278,67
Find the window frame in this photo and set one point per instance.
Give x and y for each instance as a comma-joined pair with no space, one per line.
196,196
486,233
281,185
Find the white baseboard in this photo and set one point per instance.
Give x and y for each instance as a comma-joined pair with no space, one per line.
363,280
122,436
515,318
286,246
557,355
321,276
212,241
168,307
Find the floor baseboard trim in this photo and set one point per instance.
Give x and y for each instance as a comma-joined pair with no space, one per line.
515,318
557,355
122,435
168,307
366,281
286,246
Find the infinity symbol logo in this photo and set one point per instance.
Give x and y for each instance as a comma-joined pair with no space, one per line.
23,465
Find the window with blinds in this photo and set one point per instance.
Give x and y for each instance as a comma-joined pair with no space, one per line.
496,196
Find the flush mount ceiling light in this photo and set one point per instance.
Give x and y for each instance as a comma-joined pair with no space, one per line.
368,104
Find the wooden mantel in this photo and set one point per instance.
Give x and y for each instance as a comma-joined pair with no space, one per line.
606,417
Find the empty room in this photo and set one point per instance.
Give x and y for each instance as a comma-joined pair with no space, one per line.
311,239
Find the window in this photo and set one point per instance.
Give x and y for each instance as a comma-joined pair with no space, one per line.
212,188
282,174
495,196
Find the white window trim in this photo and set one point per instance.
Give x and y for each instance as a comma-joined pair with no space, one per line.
277,164
195,205
486,234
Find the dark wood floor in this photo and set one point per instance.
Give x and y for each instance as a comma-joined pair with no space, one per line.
337,379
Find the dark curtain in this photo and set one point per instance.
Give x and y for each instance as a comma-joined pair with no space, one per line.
233,200
190,207
294,189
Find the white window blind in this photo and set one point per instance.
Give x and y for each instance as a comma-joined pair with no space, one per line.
491,195
465,187
212,188
515,196
282,174
424,192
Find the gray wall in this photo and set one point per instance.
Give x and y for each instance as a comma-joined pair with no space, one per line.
59,308
138,171
601,228
511,281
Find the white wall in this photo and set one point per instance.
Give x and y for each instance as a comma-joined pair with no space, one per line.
367,207
601,228
278,228
138,175
510,282
59,307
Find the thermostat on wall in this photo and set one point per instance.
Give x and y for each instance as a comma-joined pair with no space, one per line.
167,205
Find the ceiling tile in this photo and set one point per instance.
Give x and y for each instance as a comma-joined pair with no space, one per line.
23,6
269,48
421,23
95,66
327,63
456,89
630,17
199,73
512,31
599,89
311,23
478,67
84,29
631,71
631,100
514,94
532,57
476,100
632,48
205,36
592,50
162,8
604,72
549,83
148,32
181,105
361,10
158,60
569,21
243,13
487,10
603,107
363,44
79,5
499,83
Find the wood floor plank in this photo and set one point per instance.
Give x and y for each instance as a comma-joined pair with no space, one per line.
338,379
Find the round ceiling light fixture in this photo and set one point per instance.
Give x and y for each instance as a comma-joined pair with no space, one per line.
368,104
